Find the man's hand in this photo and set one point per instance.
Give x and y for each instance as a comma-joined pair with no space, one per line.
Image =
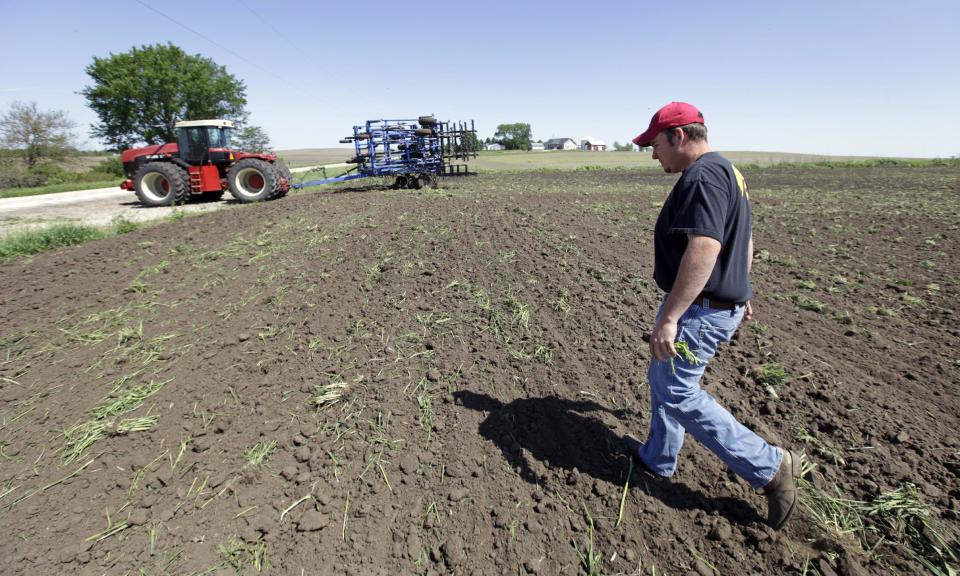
661,340
748,313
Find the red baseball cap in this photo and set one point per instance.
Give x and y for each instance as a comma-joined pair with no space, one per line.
670,116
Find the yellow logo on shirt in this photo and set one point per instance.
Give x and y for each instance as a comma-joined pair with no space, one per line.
741,183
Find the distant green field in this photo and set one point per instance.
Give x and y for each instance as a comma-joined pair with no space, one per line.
568,159
573,159
314,156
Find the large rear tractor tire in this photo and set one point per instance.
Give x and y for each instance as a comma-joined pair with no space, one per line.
161,184
253,180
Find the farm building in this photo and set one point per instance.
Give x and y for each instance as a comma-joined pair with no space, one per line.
590,143
560,144
536,146
493,146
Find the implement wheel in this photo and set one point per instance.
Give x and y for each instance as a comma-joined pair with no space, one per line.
427,121
427,181
161,184
283,172
400,182
253,180
424,132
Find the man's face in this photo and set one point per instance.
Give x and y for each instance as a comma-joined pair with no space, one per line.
666,153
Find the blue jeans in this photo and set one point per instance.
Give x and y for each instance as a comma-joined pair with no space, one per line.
679,404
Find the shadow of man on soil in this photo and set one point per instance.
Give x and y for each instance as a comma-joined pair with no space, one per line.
562,435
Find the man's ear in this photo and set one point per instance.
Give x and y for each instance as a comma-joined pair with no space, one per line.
679,136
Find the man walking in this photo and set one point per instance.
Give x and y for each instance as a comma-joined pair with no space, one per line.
703,248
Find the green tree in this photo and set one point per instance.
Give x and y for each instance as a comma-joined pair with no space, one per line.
625,147
251,139
139,95
514,136
36,134
469,143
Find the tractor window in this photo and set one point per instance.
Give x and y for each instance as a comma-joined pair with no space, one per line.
196,139
193,148
216,137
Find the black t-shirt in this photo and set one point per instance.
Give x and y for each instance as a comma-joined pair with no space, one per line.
710,199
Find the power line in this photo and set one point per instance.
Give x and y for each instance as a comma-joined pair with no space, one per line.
309,59
278,32
240,56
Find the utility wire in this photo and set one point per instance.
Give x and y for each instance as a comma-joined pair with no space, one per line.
309,58
240,56
278,32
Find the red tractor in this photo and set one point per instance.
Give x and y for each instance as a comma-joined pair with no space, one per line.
202,164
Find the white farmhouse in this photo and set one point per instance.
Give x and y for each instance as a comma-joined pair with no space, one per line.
560,144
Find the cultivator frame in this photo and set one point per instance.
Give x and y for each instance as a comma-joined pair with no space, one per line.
414,151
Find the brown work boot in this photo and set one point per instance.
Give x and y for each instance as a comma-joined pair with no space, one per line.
631,445
781,492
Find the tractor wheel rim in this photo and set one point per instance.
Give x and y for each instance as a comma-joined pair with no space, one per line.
250,182
155,186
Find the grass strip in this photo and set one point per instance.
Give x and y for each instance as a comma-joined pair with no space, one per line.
54,188
29,242
34,241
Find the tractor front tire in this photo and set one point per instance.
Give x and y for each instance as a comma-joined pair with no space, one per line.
253,180
161,184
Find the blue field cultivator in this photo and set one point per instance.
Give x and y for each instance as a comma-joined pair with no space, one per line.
414,152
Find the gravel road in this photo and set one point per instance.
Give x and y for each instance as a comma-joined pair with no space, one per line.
93,207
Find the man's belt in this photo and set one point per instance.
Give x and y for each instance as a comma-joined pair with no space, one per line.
707,302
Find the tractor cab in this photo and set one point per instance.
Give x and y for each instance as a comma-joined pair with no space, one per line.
204,141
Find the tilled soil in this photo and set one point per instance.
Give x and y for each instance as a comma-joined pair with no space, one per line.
372,381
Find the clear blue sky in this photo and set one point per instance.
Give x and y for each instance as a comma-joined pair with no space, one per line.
870,78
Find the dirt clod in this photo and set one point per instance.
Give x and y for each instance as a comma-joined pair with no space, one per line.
312,520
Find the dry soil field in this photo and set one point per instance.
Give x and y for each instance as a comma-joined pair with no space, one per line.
366,381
